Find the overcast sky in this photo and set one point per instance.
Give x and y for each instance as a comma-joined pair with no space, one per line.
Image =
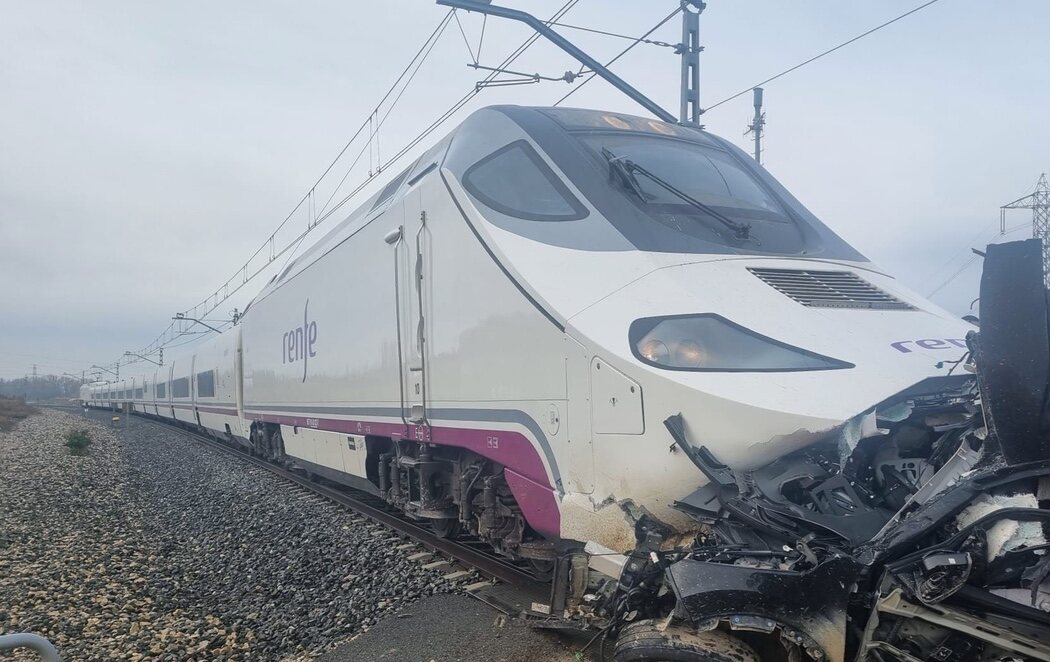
147,149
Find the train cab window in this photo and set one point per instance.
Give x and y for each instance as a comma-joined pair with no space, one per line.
180,388
206,384
515,181
696,190
162,390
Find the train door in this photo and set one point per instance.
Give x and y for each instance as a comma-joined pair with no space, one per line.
193,390
238,381
167,390
412,284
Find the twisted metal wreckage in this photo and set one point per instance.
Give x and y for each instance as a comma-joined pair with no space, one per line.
918,533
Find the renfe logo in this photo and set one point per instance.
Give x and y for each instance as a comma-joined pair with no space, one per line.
928,343
298,344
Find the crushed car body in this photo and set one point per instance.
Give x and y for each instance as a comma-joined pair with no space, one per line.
917,531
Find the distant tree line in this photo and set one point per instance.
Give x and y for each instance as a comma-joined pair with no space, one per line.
44,387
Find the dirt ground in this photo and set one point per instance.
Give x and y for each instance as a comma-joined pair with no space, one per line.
456,628
12,411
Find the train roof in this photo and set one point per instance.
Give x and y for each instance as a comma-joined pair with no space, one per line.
547,125
567,118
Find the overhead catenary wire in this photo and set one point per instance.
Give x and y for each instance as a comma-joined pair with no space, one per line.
952,261
973,258
466,41
162,341
988,230
643,40
637,40
748,89
964,267
463,101
322,215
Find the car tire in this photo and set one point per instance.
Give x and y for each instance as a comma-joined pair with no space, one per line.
645,641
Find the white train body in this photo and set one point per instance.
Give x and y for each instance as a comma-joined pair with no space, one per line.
510,295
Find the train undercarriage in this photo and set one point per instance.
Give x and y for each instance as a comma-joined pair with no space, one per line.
455,492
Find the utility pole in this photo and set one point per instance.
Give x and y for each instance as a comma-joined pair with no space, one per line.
34,372
1039,202
690,49
757,124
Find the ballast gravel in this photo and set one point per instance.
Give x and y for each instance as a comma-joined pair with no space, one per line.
152,546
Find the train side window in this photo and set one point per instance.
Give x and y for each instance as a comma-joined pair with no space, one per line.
180,388
162,390
515,181
206,384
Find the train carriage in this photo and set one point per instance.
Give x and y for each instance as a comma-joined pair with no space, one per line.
216,384
432,335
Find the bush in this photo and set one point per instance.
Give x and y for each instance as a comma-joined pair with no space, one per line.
77,441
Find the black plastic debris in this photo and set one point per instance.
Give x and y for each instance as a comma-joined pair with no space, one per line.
1013,350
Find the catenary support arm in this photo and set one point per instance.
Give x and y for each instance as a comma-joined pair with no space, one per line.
567,46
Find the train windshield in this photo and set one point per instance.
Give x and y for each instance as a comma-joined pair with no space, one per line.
696,190
598,181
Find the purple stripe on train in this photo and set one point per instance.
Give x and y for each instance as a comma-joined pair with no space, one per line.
526,475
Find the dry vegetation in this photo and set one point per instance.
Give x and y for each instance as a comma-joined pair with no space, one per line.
12,411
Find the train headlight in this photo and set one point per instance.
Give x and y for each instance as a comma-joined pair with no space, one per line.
655,351
689,353
708,342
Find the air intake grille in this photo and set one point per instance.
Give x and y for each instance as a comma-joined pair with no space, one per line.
829,289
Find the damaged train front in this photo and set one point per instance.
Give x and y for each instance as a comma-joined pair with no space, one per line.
917,532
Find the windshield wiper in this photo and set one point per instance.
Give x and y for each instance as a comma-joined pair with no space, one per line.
625,170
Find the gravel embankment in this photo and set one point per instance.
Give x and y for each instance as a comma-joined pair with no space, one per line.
154,547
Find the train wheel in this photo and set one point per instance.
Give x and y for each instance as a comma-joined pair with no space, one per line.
276,447
645,641
256,439
446,527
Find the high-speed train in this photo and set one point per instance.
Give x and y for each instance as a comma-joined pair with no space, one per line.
495,340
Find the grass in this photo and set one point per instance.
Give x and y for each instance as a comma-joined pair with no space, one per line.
12,411
77,441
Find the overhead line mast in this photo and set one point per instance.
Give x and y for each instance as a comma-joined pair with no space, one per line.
758,125
690,50
1039,202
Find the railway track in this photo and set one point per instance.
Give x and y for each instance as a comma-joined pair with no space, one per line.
497,582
